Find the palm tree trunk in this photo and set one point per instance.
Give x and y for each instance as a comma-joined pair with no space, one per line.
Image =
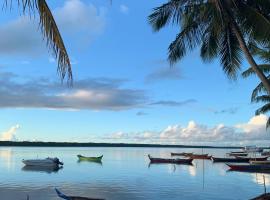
249,57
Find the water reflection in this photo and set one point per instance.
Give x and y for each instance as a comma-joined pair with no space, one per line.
6,157
88,161
41,169
260,178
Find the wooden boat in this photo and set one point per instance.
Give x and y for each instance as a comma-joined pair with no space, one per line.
238,160
248,167
256,162
170,160
47,162
63,196
92,159
200,156
181,154
253,158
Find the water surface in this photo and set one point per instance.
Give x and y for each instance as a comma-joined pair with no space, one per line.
124,174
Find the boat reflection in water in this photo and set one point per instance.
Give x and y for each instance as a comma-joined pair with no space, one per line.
45,169
92,161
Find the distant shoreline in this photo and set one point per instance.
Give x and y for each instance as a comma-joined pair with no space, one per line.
75,144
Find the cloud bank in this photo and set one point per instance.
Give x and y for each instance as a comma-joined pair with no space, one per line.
89,94
251,132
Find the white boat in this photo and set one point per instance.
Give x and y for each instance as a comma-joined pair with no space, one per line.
250,149
47,162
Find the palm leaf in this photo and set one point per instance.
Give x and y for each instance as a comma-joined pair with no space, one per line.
264,67
262,98
50,32
264,109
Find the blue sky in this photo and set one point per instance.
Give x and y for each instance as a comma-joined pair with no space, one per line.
124,89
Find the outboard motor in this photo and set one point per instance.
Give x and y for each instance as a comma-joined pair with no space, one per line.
56,160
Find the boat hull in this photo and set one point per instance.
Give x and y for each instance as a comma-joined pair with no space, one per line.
91,159
200,156
248,167
236,160
181,154
169,160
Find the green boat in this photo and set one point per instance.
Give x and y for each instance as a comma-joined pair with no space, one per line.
92,159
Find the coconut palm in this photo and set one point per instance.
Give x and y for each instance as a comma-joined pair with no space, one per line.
259,94
221,28
50,32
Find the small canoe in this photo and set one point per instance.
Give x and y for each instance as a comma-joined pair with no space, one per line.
181,154
63,196
47,162
241,160
92,159
200,156
170,160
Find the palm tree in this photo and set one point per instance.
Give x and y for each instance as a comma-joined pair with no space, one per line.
221,28
259,94
50,32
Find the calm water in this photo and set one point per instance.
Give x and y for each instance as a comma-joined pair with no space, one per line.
125,173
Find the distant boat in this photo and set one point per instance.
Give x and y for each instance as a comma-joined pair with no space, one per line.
92,159
218,159
237,154
250,149
200,156
47,162
264,158
265,153
256,162
170,160
181,154
63,196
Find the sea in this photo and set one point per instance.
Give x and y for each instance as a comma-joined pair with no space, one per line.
124,174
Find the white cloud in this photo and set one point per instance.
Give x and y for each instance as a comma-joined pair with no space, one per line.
77,17
10,135
251,132
124,9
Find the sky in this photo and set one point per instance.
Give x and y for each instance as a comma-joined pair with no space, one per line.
124,89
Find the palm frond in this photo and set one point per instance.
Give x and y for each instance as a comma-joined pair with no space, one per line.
262,98
265,68
50,32
264,109
268,123
54,40
230,53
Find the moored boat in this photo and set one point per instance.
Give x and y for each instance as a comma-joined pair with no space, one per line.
253,158
181,154
248,167
256,162
252,149
92,159
47,162
265,153
265,196
220,159
63,196
237,154
200,156
170,160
